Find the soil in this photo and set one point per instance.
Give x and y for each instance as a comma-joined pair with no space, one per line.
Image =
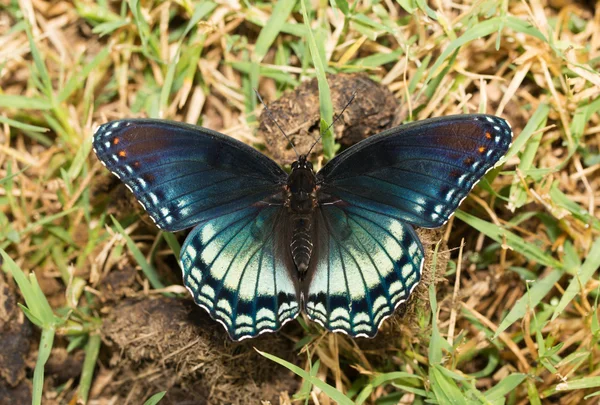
16,335
171,344
297,112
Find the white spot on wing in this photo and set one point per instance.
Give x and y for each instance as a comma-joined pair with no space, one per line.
196,273
208,231
406,270
265,313
191,251
244,320
153,198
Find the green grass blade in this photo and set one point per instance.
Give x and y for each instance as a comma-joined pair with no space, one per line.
281,11
40,67
578,384
482,29
140,22
504,387
330,391
80,160
173,243
382,379
444,388
45,348
536,121
325,103
21,125
23,283
279,15
530,300
148,270
563,201
589,267
517,243
43,310
24,102
87,372
156,398
437,344
76,80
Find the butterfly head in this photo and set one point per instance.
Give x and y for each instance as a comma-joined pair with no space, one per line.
302,163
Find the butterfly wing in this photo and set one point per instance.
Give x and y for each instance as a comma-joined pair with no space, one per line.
418,172
237,268
183,174
365,265
368,258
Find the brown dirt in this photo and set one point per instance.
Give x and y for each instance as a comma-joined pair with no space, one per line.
297,112
16,335
170,344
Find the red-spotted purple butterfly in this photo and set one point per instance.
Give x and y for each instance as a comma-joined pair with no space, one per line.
338,244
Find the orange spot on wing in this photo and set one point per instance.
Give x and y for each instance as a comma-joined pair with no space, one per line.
481,149
468,161
136,164
116,141
488,135
122,153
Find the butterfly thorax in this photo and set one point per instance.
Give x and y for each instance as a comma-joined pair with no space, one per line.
301,201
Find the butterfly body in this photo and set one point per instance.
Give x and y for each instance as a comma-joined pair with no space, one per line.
301,203
338,244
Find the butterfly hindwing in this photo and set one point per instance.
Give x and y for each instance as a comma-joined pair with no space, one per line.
418,172
183,174
237,268
366,264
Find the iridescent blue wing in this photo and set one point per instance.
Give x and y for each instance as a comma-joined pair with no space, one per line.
238,268
418,172
184,174
365,264
368,258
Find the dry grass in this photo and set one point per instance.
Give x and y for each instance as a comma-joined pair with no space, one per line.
528,269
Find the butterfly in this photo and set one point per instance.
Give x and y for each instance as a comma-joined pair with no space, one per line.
338,244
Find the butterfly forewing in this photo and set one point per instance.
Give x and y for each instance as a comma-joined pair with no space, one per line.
183,174
419,172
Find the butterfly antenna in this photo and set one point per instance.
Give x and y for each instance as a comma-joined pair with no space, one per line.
334,121
276,123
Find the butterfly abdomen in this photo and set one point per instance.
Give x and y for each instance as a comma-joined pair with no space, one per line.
301,244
